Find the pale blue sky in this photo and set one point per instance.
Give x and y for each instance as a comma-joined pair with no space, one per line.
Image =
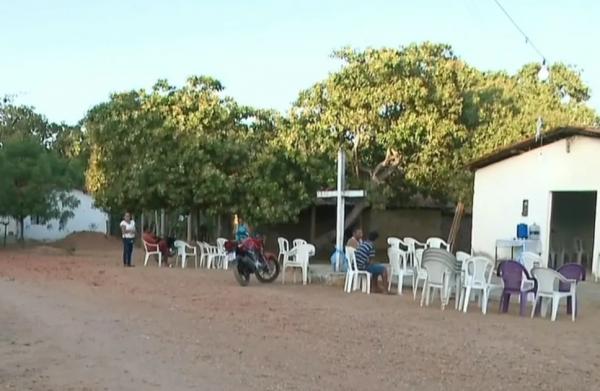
64,56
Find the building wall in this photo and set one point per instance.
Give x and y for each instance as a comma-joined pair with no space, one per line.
565,165
87,218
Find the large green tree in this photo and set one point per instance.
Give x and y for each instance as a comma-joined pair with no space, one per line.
35,182
411,118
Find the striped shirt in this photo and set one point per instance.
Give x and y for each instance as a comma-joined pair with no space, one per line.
364,253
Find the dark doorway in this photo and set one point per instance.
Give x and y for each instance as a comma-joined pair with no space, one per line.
572,226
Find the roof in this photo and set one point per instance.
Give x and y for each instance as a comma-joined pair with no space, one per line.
526,145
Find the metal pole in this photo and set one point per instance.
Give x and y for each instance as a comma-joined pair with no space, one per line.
339,239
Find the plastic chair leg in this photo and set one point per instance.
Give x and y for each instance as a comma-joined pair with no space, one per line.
466,298
555,302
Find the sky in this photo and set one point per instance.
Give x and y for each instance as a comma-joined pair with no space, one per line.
65,56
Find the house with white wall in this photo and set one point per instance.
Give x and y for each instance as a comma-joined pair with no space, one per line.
87,218
552,182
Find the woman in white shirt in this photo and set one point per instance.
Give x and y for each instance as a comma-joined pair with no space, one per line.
128,234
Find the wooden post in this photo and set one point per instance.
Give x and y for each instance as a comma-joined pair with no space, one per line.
313,223
162,223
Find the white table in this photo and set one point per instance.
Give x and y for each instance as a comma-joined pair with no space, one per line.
524,244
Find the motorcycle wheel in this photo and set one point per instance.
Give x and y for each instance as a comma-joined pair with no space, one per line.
270,272
241,274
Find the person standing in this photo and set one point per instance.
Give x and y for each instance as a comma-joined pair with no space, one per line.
128,235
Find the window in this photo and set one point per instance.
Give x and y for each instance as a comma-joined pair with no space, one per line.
37,220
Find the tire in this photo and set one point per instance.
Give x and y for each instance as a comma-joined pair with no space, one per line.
273,272
241,275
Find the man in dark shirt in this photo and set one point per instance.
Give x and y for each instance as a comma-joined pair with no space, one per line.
364,255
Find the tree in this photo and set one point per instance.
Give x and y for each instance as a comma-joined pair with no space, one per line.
34,182
411,118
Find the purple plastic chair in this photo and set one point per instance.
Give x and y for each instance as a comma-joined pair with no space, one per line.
573,271
512,274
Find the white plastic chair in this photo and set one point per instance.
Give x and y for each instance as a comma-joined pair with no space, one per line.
437,243
395,242
203,253
355,277
214,258
221,257
151,249
462,256
413,245
478,274
398,268
183,253
547,290
419,273
530,260
438,274
579,251
298,242
284,249
299,258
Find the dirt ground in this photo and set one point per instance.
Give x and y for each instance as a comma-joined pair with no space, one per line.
72,318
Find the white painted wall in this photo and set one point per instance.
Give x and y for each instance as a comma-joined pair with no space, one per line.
87,218
501,188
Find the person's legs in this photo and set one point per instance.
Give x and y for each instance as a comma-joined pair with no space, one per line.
125,250
129,251
376,270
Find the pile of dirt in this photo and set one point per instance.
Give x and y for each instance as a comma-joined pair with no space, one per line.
87,241
48,250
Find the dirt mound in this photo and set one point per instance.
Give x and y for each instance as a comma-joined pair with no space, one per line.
48,250
87,241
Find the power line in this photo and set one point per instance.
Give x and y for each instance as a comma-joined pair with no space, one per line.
527,39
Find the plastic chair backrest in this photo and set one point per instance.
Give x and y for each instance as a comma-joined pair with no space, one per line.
146,244
298,242
419,258
395,242
478,270
546,279
394,255
180,246
437,243
531,260
462,256
572,271
436,270
304,252
221,244
512,274
351,254
284,245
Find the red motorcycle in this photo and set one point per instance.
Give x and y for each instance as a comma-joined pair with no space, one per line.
250,258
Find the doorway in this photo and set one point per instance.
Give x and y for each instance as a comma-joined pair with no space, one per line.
572,228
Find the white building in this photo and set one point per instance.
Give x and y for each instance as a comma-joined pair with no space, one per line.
552,182
86,218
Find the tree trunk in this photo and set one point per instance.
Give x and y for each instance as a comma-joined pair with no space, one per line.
313,223
189,228
162,223
22,233
327,238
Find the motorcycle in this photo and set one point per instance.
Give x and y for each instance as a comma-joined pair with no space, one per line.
250,258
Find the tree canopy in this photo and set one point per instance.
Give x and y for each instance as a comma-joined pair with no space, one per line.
409,118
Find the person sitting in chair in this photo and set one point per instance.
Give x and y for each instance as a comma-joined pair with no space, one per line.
364,261
163,244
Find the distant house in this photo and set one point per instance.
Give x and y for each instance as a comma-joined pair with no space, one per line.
552,182
86,218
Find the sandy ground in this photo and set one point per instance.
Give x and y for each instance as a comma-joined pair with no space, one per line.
71,318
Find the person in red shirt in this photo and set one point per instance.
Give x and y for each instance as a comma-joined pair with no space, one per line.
163,246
